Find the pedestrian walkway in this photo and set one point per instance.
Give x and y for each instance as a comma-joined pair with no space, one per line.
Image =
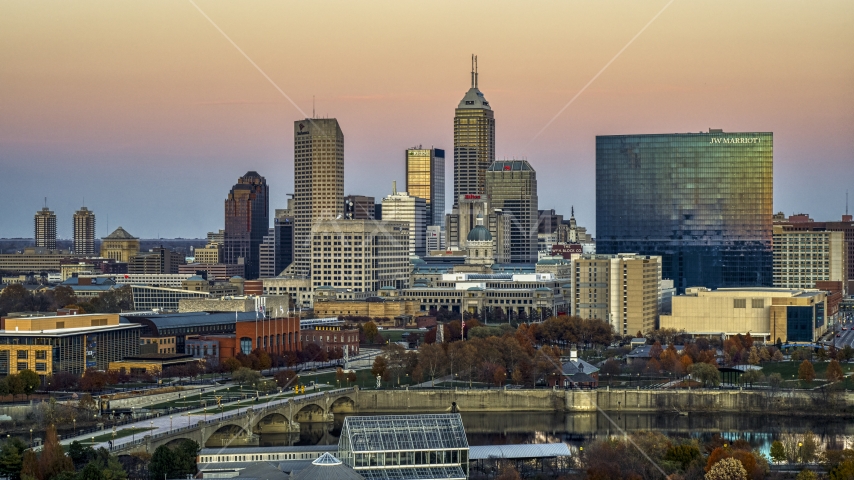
168,423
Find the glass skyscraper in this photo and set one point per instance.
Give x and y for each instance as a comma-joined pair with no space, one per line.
474,140
511,186
425,178
702,201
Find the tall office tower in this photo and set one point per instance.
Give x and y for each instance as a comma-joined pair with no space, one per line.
474,140
512,188
622,290
804,257
425,178
403,207
702,201
463,218
84,232
45,221
359,207
277,250
380,255
247,219
318,182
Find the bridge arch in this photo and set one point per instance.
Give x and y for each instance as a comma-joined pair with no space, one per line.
276,422
343,405
228,434
311,413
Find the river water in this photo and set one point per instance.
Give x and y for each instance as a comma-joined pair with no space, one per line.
578,428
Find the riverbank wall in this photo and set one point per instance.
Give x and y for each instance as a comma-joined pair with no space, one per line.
640,401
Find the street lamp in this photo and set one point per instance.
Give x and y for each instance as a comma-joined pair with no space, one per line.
170,423
74,422
31,437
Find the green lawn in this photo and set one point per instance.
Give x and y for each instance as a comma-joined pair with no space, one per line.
364,379
208,397
789,371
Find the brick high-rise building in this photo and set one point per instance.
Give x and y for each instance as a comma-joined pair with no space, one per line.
247,219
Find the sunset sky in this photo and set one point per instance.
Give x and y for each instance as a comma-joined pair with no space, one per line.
148,111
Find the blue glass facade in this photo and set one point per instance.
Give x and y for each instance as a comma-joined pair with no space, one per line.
702,201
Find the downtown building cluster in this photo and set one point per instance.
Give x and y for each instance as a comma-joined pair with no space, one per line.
686,239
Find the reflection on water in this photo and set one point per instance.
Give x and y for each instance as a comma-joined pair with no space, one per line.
576,428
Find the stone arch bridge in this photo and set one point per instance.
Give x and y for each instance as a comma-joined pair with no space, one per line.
282,416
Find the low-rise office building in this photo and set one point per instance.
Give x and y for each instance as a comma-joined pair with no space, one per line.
274,303
386,304
161,298
298,288
89,287
768,314
76,342
331,337
213,271
535,295
33,259
150,344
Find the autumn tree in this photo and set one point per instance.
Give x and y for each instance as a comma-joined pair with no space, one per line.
432,359
370,330
727,469
834,372
806,372
707,375
286,378
52,460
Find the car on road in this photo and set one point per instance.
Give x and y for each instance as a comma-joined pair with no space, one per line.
838,335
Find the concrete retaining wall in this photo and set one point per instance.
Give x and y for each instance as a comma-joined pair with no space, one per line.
143,401
17,412
731,401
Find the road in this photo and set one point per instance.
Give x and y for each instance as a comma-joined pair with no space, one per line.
845,337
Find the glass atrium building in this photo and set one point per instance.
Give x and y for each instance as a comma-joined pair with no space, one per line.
419,447
702,201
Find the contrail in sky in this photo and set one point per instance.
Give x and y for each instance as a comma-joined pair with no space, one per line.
600,71
250,60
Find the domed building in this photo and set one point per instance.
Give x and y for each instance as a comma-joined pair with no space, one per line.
479,245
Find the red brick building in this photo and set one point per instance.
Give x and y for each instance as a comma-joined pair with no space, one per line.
330,337
274,335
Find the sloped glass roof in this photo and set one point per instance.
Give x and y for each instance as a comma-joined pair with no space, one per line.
417,473
403,432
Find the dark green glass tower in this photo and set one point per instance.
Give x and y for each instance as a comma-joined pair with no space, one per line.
703,201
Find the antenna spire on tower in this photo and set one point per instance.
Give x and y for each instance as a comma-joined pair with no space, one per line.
473,71
312,107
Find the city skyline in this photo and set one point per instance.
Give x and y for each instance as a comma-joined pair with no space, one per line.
129,107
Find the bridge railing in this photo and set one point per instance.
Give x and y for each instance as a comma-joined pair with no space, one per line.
261,412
